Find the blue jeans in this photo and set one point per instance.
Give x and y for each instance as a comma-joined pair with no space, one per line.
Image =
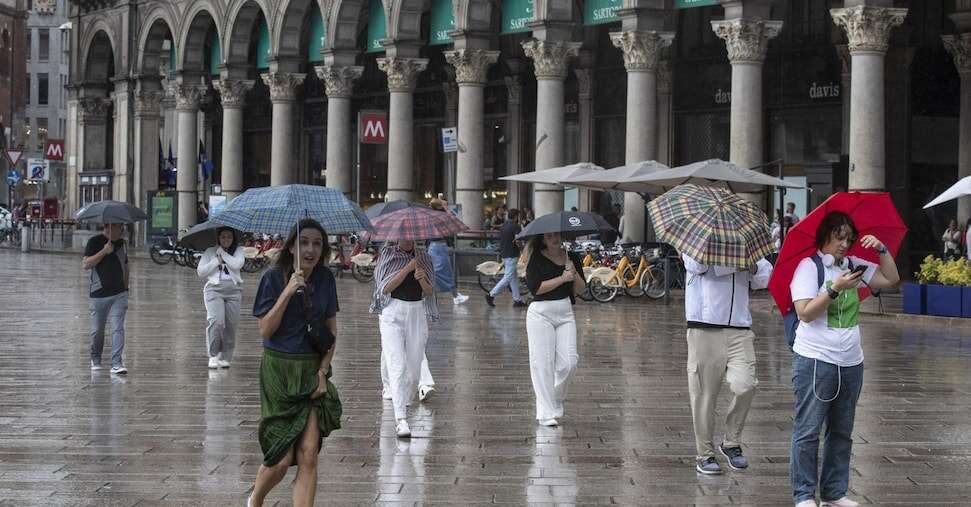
444,278
826,396
109,313
510,278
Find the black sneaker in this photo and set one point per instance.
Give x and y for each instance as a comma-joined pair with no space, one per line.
491,301
518,304
735,459
708,466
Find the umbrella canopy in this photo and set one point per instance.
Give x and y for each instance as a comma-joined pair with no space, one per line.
715,172
712,225
383,208
415,223
569,224
204,235
959,189
872,213
555,175
110,212
620,178
276,210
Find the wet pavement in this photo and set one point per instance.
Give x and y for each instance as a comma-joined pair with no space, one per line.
172,432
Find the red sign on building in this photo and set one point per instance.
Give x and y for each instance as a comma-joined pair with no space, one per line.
374,127
54,149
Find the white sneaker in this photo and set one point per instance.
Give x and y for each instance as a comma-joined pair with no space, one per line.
806,503
119,370
385,394
459,299
223,363
213,363
403,430
842,502
95,366
549,422
424,392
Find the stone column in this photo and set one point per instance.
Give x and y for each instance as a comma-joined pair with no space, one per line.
187,98
232,93
93,138
71,156
959,46
147,113
339,84
664,147
868,31
585,114
747,41
550,63
122,182
283,94
642,52
470,74
514,141
402,77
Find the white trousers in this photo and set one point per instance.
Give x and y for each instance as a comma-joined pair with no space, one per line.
404,331
425,379
552,332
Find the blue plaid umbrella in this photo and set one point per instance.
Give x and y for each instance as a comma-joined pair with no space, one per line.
276,210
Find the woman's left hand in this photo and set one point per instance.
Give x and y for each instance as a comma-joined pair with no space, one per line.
321,386
870,241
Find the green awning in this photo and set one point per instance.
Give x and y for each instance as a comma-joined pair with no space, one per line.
171,59
315,37
214,54
263,46
687,4
377,27
442,22
516,14
598,12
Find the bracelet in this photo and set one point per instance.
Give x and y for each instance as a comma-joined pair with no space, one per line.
882,250
833,293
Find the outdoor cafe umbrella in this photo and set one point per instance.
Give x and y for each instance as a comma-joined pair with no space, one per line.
871,212
569,224
555,175
204,235
717,173
110,212
415,223
712,225
276,210
960,189
621,178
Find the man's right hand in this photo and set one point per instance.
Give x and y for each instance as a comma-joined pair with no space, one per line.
109,248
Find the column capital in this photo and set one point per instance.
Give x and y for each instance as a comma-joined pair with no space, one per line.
642,50
747,39
147,103
402,72
232,92
283,85
187,96
551,59
471,65
338,80
514,89
959,47
868,28
94,110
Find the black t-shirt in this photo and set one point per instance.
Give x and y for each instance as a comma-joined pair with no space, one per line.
541,269
108,277
507,240
409,290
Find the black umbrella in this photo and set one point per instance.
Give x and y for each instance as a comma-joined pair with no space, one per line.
383,208
110,212
204,235
569,224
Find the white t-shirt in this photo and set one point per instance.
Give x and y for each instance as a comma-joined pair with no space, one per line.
834,337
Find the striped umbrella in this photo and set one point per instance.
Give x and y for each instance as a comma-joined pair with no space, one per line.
276,210
415,223
712,225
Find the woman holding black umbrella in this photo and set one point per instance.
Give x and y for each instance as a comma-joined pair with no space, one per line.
220,267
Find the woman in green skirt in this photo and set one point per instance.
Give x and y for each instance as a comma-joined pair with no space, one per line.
296,305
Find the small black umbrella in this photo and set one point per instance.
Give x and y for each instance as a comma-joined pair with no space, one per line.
569,224
383,208
110,212
204,235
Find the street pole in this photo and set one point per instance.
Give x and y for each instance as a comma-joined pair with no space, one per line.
357,176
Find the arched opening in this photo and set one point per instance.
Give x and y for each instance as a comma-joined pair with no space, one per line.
156,68
96,177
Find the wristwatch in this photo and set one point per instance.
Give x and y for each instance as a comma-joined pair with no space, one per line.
833,293
882,250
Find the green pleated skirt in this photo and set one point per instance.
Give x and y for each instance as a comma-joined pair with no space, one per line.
286,383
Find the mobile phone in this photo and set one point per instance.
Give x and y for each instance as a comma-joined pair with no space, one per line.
858,269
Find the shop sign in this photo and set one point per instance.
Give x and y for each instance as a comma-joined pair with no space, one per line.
688,4
442,22
516,16
828,91
377,27
723,97
162,208
315,39
598,12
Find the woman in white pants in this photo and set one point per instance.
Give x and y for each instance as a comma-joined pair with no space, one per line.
554,279
404,295
220,266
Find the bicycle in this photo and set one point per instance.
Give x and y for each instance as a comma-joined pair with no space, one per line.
605,282
491,272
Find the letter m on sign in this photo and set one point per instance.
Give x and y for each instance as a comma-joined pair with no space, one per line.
373,127
54,149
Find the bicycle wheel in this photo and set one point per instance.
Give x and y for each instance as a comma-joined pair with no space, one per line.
652,283
600,292
192,259
586,295
634,291
363,274
488,282
158,256
179,257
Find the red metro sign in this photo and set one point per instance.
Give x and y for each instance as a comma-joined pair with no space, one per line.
373,127
54,149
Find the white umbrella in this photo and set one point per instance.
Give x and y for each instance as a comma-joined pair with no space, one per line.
716,173
960,189
555,175
621,178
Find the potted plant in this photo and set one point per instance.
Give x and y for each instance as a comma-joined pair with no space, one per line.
945,282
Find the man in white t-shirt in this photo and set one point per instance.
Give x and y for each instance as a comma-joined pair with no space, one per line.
827,368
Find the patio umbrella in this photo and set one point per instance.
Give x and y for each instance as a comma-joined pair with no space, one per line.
276,210
712,225
621,178
382,208
960,189
204,235
110,212
554,175
872,213
569,224
415,223
715,172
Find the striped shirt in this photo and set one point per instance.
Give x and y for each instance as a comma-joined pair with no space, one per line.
392,260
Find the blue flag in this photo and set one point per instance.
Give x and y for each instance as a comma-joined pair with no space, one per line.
204,162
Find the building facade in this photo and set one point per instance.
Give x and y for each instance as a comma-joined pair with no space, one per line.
12,82
854,94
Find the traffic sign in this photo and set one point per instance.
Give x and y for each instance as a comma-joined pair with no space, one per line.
38,170
374,127
14,156
13,178
450,140
54,149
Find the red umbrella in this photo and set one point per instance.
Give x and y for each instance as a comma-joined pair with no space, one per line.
415,223
872,213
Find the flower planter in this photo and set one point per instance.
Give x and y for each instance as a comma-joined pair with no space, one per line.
915,298
966,301
944,300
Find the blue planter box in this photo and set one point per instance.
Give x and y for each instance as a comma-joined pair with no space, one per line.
966,301
944,300
915,298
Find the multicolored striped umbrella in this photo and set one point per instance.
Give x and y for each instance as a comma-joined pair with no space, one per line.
712,225
276,210
415,223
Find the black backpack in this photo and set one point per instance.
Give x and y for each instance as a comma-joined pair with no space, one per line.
790,321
